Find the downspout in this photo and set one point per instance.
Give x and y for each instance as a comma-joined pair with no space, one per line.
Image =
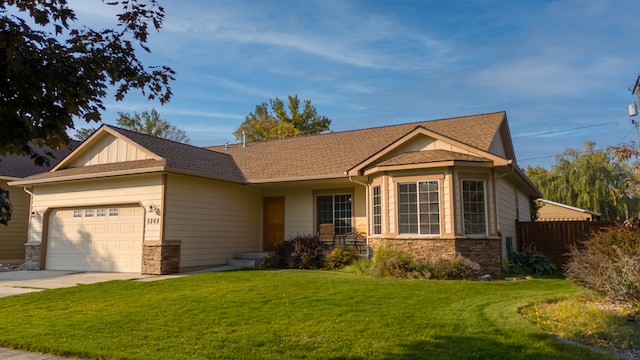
366,209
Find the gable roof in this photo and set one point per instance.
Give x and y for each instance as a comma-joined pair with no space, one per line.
167,155
568,207
19,166
331,155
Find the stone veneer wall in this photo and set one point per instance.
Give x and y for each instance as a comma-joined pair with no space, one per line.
485,252
161,258
32,258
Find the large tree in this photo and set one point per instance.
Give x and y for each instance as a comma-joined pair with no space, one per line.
146,123
272,121
55,70
589,179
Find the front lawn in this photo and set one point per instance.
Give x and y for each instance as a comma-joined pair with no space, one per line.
287,314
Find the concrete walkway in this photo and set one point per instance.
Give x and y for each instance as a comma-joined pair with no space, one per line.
26,281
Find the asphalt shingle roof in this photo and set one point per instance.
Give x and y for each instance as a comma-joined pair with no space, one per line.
334,153
20,166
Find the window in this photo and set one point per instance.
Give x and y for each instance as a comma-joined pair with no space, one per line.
88,213
474,207
334,209
377,210
77,214
102,212
114,212
419,208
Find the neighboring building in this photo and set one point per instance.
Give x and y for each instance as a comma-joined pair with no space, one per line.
553,211
14,167
124,201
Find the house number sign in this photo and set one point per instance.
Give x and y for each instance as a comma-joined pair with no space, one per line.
153,221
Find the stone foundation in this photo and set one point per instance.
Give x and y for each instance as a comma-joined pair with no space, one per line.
161,258
32,258
486,251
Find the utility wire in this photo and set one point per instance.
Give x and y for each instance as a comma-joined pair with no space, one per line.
559,131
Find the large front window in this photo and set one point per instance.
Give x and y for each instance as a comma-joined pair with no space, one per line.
377,210
474,207
334,209
419,208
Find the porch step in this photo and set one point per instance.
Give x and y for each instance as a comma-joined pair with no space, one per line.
247,260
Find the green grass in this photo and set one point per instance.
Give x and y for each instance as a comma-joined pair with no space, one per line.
288,314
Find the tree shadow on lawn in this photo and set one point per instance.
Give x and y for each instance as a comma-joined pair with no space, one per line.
481,347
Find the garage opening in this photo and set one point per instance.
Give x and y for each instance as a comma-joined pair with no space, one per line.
104,238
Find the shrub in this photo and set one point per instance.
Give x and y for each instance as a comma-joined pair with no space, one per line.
340,257
298,252
533,263
609,263
391,262
457,269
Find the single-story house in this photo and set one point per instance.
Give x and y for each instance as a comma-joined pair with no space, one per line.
124,201
553,211
15,167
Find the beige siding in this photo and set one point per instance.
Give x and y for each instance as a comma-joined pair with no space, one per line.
110,149
144,190
422,142
14,236
497,146
212,219
551,212
524,207
507,212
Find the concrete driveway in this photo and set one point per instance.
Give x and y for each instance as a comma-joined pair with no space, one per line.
25,281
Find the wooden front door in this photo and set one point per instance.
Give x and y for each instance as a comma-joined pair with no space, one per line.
273,231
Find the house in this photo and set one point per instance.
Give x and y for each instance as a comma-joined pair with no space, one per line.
14,167
553,211
124,201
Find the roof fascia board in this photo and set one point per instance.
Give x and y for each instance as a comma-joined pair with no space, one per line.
88,176
421,130
437,164
89,142
298,178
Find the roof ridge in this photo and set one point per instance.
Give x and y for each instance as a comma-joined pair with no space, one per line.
417,123
156,138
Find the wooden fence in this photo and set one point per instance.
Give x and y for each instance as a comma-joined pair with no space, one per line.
555,238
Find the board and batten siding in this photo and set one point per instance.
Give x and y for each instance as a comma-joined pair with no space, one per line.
213,219
140,189
14,236
110,149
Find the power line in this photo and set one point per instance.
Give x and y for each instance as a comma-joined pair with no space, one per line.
559,131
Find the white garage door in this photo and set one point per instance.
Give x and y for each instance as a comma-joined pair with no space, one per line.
96,239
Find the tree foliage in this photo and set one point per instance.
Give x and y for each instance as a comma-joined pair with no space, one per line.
55,70
589,179
145,123
6,209
272,121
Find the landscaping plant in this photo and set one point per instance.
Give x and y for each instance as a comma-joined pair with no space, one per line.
609,263
459,268
340,257
533,263
298,252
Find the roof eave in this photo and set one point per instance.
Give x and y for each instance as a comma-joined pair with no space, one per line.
436,164
298,178
96,175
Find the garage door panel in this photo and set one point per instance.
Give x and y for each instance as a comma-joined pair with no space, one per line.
90,240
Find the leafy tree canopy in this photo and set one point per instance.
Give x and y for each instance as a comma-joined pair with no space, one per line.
55,70
146,123
272,121
6,209
591,180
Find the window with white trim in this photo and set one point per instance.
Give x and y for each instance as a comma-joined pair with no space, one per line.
88,213
101,213
376,203
334,209
474,207
77,214
114,212
419,208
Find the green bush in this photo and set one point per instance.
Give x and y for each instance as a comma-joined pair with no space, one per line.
391,262
340,257
533,263
298,252
609,263
457,269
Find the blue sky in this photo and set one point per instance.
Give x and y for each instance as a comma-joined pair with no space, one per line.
551,65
